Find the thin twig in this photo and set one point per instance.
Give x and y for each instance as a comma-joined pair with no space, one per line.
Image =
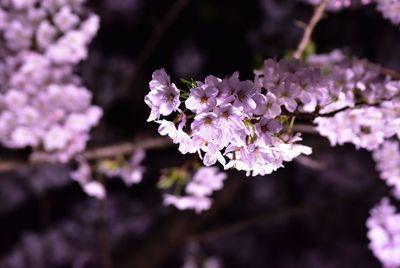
318,13
127,147
389,72
310,163
95,153
300,24
384,71
303,128
158,32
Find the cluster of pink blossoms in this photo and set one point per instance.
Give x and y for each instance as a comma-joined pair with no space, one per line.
246,124
198,191
384,234
369,105
387,158
42,102
335,5
237,123
390,9
369,118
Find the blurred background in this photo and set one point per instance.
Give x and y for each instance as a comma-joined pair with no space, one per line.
300,216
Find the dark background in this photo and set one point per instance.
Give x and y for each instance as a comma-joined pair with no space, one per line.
296,217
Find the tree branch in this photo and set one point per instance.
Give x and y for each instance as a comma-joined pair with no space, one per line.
382,70
318,13
95,153
127,147
286,213
303,128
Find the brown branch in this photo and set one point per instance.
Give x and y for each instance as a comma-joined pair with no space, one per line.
389,72
318,13
303,128
382,70
127,147
95,153
314,115
310,163
284,214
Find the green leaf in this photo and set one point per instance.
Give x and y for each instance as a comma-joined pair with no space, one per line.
173,176
311,49
189,83
258,62
166,182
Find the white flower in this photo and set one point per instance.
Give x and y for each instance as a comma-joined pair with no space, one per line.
56,138
18,36
45,34
23,136
65,20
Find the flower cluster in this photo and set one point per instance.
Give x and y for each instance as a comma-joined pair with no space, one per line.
42,102
390,9
366,113
295,85
248,124
352,81
367,107
364,127
384,233
387,158
245,120
240,120
198,191
336,5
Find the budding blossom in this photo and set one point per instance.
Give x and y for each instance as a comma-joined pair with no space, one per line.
233,122
384,234
83,175
42,102
198,191
131,172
